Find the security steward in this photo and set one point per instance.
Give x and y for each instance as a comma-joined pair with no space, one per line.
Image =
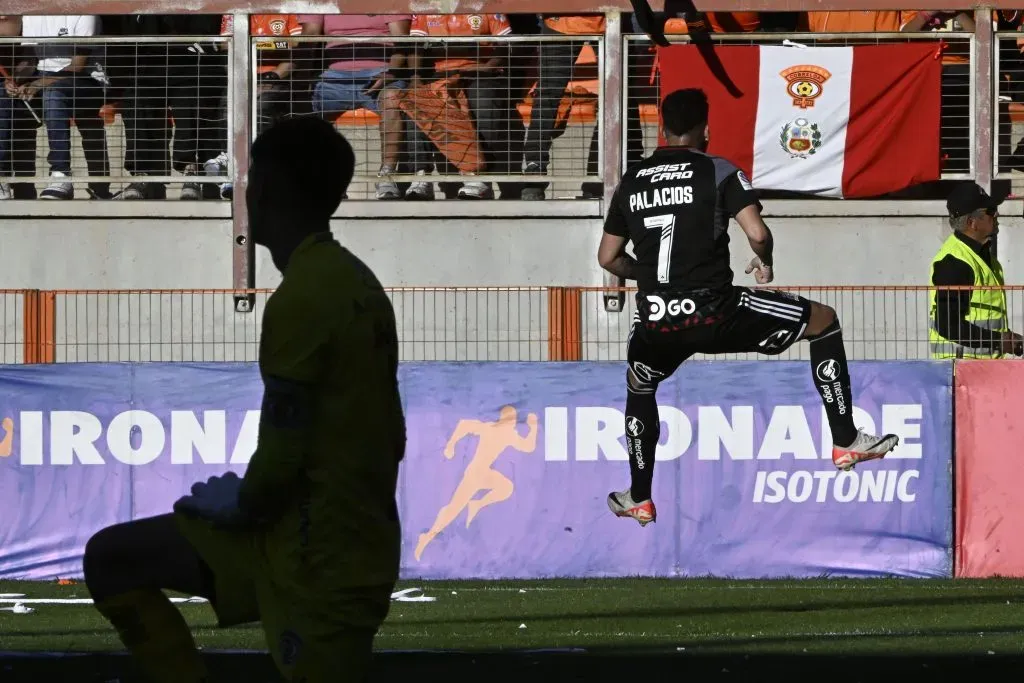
970,323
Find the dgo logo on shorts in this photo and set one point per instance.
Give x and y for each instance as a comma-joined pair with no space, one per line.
634,427
827,371
674,307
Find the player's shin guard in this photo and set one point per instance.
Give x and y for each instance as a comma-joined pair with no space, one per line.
643,427
156,634
832,379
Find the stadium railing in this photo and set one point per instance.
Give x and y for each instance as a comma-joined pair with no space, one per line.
575,158
434,324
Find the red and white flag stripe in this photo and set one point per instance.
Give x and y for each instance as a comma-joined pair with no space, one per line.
854,121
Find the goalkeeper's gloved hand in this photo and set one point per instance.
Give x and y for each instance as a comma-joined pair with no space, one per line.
215,500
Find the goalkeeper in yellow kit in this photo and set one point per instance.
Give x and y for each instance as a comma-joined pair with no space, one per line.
308,541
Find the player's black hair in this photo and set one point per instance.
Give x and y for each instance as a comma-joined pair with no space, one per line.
684,110
309,163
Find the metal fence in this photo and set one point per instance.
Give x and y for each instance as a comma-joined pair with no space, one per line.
529,123
434,324
154,107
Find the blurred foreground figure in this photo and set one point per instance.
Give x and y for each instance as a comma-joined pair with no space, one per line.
308,540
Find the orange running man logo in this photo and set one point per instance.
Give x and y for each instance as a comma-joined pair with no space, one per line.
494,438
8,441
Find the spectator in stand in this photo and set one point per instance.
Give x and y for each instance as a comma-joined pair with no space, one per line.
187,78
479,71
362,75
17,125
198,79
67,84
275,98
556,63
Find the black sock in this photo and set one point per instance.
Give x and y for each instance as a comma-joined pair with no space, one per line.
832,378
643,426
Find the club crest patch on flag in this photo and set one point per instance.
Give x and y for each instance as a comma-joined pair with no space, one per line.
805,83
800,138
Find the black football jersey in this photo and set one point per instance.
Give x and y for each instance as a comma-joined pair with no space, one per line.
675,207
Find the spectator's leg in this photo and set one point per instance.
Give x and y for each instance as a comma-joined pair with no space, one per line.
488,97
86,103
212,138
556,60
144,113
184,91
392,127
56,104
23,149
6,133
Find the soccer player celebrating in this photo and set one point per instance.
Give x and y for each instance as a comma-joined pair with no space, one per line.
675,207
308,541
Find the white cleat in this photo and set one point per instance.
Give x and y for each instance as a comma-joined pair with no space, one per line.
865,447
623,505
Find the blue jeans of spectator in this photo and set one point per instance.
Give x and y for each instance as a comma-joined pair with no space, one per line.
77,97
341,91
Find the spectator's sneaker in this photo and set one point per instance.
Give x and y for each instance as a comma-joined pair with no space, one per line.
623,505
6,192
387,189
191,191
865,447
421,190
476,191
140,190
99,192
227,191
59,188
217,166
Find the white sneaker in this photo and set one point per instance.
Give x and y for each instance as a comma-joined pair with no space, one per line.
58,188
421,189
387,189
865,447
476,191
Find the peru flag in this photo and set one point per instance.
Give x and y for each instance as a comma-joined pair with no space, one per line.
855,121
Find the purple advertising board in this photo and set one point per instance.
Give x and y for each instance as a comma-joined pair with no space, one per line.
744,482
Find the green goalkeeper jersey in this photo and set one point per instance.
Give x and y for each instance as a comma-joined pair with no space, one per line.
332,429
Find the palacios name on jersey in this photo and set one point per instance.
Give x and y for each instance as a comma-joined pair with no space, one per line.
663,196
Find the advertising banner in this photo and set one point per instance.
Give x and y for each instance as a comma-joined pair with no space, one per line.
508,466
989,524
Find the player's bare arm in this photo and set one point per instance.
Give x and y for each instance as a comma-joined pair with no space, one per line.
612,256
761,243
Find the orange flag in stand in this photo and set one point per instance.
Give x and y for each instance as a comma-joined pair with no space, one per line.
441,111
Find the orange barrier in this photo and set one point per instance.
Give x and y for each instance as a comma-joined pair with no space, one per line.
989,480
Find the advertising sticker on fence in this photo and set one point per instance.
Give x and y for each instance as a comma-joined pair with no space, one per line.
508,466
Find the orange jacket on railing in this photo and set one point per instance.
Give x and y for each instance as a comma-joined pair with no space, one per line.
576,24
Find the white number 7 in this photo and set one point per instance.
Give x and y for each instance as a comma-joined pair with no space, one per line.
666,222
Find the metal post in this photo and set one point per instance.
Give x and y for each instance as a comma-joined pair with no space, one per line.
242,261
612,113
984,120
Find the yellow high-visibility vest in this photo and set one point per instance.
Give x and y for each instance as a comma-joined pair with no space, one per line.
988,306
